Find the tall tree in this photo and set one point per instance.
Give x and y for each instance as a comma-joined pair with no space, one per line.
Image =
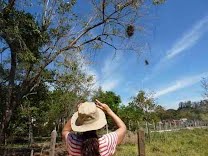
204,83
131,115
145,102
160,112
33,34
111,99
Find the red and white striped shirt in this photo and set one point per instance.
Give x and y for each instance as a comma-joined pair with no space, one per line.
107,144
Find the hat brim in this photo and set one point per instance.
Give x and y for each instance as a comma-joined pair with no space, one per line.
98,124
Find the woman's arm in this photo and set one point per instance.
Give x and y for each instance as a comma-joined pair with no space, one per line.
121,131
67,128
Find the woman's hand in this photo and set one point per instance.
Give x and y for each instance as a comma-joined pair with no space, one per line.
121,131
103,106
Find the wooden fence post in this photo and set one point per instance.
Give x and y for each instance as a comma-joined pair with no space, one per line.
141,142
166,126
160,126
53,143
170,124
175,125
32,152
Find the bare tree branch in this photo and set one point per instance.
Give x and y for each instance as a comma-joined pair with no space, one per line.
103,9
47,14
71,45
109,44
11,4
3,49
8,8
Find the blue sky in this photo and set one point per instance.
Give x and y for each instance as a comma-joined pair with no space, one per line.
177,35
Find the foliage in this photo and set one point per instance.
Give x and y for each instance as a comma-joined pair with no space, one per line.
190,110
109,98
160,112
62,105
156,2
131,115
30,113
71,75
35,34
145,102
204,84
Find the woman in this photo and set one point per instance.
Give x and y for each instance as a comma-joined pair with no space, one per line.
89,118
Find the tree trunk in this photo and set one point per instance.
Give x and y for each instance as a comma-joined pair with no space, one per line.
7,114
11,98
138,125
11,103
31,140
148,131
130,125
4,124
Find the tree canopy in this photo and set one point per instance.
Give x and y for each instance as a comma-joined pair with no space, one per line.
41,41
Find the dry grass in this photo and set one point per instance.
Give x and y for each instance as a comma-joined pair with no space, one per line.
130,138
178,143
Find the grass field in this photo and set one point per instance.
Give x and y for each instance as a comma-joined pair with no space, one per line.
179,143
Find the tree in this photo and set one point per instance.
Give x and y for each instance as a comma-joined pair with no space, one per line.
30,114
61,105
131,115
111,99
32,41
160,112
204,83
145,102
48,108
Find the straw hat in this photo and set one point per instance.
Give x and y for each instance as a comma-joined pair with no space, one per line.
88,118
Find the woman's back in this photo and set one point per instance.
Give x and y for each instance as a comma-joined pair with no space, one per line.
107,144
89,118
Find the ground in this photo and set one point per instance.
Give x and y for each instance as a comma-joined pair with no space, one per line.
180,143
176,143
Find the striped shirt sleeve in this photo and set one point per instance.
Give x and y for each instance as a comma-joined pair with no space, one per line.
112,141
73,144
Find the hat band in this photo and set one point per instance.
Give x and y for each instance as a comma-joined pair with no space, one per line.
86,119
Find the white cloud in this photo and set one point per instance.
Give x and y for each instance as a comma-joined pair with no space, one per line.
179,84
109,85
125,100
111,65
189,39
110,76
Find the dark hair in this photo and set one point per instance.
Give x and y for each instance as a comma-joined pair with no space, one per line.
90,144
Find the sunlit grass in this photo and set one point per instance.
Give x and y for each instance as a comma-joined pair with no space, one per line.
180,143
